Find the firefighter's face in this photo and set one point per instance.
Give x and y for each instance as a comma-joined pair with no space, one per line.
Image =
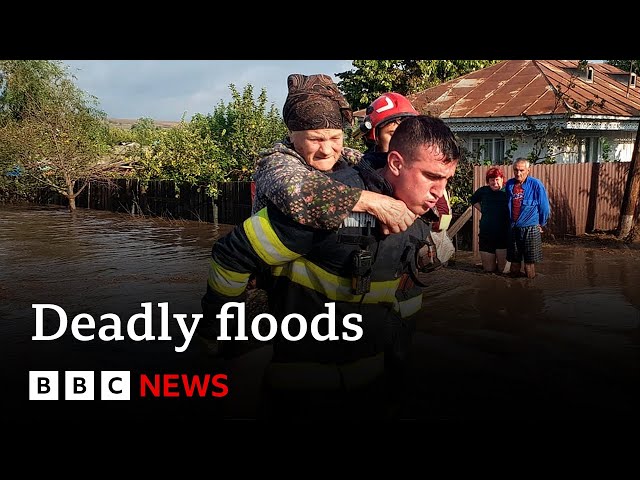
419,183
384,134
321,149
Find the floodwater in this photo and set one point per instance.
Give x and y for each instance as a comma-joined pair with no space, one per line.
562,346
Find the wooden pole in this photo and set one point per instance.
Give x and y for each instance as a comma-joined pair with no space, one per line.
459,223
632,192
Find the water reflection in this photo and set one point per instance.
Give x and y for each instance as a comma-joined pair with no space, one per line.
564,343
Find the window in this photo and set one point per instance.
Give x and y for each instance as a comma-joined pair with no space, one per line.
590,75
632,80
488,148
591,150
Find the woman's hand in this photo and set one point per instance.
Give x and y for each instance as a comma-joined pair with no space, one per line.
393,214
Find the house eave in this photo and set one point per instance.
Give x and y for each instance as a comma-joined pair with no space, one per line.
573,122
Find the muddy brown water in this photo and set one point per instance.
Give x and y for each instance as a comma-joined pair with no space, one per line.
563,346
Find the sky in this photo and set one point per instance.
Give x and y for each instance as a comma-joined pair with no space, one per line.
165,90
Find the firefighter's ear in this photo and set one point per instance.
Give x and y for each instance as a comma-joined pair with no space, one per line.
395,162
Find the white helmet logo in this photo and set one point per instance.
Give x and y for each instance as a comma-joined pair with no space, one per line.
386,107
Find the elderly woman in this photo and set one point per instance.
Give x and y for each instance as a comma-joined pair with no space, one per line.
289,174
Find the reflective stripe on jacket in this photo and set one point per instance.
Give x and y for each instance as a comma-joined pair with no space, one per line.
312,267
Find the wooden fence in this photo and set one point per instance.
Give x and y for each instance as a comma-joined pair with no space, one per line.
584,198
164,199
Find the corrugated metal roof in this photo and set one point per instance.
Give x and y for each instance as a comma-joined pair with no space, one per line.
531,87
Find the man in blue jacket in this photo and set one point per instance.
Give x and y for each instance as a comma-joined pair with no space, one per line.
529,212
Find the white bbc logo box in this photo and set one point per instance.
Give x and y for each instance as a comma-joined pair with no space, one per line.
79,385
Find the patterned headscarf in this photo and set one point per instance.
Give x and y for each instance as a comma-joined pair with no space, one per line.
314,102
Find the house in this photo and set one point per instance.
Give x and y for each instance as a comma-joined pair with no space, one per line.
551,111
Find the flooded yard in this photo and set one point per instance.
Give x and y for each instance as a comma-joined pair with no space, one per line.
565,345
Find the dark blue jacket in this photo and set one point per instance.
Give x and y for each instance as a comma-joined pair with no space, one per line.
310,268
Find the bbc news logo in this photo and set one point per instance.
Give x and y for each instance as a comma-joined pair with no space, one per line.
116,385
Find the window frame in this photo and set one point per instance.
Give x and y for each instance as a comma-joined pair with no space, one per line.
483,143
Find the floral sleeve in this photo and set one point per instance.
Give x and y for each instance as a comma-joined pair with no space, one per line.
306,195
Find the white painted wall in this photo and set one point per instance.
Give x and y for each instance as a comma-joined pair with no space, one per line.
621,143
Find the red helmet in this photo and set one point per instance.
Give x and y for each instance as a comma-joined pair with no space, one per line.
384,109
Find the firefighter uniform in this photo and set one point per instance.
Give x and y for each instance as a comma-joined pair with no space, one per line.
311,268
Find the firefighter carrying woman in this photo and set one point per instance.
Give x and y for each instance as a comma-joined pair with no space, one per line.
358,242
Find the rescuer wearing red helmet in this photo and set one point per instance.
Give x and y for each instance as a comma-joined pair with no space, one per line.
384,115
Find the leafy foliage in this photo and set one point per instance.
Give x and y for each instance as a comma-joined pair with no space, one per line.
218,147
58,135
23,81
626,65
183,154
460,186
51,130
241,129
145,131
372,78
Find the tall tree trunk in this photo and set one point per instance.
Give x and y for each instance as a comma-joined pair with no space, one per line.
71,195
632,192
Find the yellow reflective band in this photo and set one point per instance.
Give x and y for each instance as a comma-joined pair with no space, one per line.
410,306
226,282
264,240
310,275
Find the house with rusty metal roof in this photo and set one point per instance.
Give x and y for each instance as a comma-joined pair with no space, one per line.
551,111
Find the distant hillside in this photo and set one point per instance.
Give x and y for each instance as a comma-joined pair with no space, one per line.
126,123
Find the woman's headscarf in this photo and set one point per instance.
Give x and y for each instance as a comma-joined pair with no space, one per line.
314,102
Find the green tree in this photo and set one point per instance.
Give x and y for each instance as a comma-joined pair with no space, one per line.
183,154
23,81
626,65
209,149
51,130
242,128
372,78
145,131
118,136
460,186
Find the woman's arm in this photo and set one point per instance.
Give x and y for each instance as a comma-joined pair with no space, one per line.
393,214
312,198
